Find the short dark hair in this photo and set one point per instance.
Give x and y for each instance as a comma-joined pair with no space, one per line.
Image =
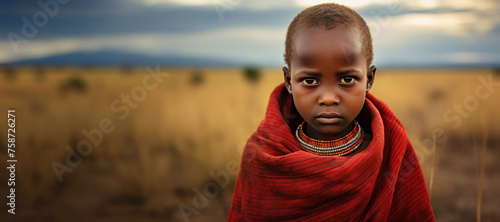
329,16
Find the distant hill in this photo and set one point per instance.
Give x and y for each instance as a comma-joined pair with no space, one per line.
122,58
119,58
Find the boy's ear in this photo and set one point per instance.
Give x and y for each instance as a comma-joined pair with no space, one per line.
371,77
287,77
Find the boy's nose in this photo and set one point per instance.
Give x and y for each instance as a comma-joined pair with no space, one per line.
328,98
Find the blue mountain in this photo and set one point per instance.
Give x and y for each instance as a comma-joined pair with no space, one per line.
121,58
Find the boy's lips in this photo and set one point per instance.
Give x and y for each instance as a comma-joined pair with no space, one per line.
328,118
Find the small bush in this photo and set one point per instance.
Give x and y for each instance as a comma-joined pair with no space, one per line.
74,83
436,95
496,71
39,74
10,73
127,69
252,73
197,78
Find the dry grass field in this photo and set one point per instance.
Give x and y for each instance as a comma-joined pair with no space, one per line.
106,144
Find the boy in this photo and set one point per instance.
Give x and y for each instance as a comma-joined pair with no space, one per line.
328,150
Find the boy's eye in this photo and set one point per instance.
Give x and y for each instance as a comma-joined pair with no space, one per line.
309,81
347,79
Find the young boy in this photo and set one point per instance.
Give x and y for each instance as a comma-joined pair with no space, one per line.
328,150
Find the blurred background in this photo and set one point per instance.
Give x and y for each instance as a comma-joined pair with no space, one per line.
139,110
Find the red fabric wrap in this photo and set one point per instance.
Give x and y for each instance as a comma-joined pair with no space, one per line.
278,181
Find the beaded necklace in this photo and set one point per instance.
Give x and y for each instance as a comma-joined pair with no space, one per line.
340,147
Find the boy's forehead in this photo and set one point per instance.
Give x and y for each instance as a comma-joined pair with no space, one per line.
344,39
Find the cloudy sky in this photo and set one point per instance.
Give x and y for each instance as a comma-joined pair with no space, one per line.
406,32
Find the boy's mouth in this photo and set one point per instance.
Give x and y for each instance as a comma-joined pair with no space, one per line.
328,118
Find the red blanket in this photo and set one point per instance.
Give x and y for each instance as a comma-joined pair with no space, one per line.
278,181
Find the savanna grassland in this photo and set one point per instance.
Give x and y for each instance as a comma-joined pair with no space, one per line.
123,144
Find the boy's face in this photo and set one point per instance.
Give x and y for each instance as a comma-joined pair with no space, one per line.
328,79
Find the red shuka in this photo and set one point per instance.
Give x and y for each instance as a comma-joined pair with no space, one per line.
278,181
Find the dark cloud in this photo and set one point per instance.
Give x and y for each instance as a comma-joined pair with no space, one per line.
90,19
97,18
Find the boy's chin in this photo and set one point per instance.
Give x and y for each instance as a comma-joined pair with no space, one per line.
329,132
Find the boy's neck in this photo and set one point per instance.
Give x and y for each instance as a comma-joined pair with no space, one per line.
311,132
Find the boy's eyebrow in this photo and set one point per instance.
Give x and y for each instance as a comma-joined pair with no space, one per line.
309,73
341,73
346,72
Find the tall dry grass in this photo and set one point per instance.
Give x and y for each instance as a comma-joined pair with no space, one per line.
168,144
484,142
